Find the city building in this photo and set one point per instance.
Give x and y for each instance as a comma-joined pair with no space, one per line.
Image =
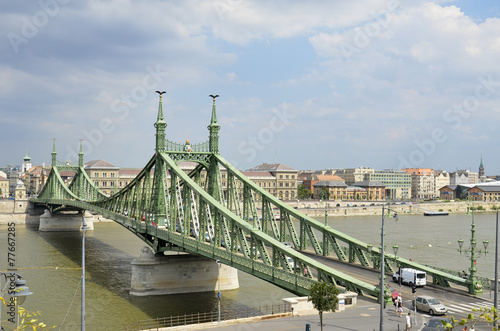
397,182
486,193
104,175
463,177
315,178
126,175
34,178
442,179
448,192
4,186
375,191
423,183
285,179
337,190
353,175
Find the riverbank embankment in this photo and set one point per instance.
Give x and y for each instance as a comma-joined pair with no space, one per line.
22,212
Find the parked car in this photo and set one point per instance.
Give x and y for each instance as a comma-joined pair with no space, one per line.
430,305
435,323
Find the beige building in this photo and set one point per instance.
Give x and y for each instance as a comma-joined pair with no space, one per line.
337,190
423,183
104,175
353,175
35,178
126,175
283,185
442,179
4,186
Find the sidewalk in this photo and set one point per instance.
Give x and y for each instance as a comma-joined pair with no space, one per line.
364,317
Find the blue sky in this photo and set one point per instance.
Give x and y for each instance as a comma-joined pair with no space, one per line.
313,85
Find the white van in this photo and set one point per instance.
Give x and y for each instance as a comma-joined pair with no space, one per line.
411,276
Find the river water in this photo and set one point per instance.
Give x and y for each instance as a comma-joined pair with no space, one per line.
50,263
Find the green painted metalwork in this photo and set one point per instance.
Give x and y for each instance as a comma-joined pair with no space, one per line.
228,218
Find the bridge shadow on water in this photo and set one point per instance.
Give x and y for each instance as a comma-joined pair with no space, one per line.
108,266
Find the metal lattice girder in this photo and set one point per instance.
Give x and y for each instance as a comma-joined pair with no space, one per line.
212,207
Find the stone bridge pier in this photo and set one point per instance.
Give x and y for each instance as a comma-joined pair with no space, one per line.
179,273
64,221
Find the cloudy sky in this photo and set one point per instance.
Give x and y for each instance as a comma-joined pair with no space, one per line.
311,84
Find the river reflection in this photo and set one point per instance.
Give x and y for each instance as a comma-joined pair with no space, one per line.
50,262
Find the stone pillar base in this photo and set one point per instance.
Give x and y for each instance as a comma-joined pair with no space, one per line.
64,222
178,273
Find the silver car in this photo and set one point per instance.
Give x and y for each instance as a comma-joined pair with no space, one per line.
430,305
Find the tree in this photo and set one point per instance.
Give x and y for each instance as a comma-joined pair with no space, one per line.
303,193
324,298
488,316
324,193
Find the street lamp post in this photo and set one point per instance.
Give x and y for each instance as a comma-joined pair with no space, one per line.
382,267
326,213
19,291
474,285
84,228
218,282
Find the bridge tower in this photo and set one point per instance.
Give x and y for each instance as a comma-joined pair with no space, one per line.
160,175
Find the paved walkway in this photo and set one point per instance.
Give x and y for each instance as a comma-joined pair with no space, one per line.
364,317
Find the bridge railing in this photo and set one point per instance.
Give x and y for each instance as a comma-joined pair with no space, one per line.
210,317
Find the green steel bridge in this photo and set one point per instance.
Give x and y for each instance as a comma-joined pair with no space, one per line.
232,219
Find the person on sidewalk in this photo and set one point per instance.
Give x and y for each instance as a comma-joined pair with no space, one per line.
400,307
408,321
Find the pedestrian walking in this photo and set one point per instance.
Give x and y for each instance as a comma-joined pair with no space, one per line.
408,321
400,307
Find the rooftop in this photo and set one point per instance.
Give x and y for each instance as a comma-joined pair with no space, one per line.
272,167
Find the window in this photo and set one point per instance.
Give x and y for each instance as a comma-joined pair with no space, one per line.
96,175
281,176
104,175
286,176
112,174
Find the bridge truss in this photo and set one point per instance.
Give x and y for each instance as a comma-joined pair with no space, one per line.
230,219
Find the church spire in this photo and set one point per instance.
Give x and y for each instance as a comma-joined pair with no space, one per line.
160,126
481,170
214,128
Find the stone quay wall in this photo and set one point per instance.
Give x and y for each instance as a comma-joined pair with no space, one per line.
22,211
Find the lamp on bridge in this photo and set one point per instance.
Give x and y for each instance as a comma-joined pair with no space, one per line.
19,291
475,286
382,264
395,248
